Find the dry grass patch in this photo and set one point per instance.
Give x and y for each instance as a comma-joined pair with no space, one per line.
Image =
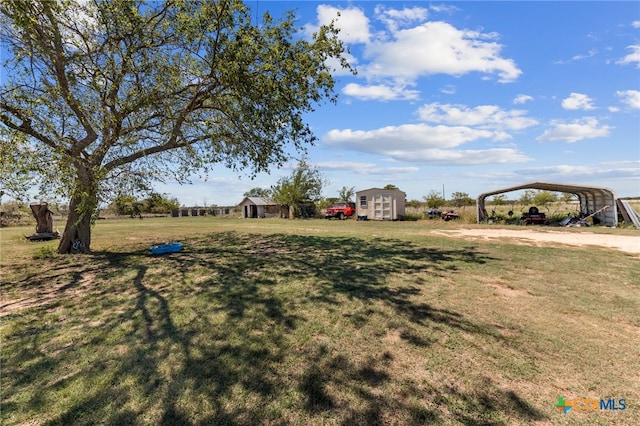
314,322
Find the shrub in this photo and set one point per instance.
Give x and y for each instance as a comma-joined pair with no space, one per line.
45,252
412,217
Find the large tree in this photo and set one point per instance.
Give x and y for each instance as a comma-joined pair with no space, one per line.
100,94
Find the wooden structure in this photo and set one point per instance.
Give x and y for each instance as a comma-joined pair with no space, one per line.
259,207
380,204
44,223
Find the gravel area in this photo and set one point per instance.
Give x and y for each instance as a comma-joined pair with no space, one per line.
540,236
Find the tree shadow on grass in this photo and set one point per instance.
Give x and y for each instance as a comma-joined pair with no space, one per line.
205,336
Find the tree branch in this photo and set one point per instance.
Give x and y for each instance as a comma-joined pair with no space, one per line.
58,60
25,127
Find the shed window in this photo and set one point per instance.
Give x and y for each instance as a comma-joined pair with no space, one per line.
363,201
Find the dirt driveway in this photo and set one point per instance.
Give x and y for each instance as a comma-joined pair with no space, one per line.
537,236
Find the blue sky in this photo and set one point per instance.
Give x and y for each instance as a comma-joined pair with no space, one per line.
474,96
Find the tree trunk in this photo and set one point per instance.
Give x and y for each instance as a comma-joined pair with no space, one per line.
44,218
83,204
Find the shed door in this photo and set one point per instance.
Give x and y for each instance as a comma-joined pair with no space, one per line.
382,205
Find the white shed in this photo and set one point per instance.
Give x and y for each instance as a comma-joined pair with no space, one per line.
259,207
380,204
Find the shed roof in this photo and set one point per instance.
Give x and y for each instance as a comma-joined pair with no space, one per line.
380,189
259,201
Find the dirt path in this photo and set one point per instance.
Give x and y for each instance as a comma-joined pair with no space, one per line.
629,244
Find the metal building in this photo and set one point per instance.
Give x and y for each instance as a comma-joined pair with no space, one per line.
592,199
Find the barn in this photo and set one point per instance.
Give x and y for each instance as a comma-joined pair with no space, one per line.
380,204
259,207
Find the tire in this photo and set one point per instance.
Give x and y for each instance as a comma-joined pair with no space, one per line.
340,216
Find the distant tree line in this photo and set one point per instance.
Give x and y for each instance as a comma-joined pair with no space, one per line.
304,186
128,205
301,191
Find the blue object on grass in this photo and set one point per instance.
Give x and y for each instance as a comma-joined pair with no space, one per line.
166,248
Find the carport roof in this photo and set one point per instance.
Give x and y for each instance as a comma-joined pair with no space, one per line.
550,186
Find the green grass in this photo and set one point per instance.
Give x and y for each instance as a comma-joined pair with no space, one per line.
313,322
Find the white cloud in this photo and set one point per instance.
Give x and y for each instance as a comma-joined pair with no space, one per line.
405,137
635,24
633,57
404,51
353,24
379,92
396,18
449,89
438,48
463,157
364,168
590,54
585,128
336,67
630,98
483,116
80,25
521,99
607,170
423,143
442,8
578,101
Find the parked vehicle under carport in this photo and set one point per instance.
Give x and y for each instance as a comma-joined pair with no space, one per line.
534,217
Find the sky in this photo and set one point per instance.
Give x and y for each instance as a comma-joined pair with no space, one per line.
466,97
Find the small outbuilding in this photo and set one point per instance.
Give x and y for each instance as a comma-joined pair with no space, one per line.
380,204
259,207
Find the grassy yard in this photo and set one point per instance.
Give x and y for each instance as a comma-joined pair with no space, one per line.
314,322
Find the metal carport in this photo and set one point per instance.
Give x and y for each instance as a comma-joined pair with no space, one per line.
591,199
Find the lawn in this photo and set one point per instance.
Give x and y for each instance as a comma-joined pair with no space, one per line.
314,322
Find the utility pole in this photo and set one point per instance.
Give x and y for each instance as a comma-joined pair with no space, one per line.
443,197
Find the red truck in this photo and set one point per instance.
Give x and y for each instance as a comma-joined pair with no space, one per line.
341,210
